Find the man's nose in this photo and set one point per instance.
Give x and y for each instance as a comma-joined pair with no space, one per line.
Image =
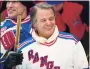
48,22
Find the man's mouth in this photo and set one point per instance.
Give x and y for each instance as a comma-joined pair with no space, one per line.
10,11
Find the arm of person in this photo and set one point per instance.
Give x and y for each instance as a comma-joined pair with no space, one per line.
8,59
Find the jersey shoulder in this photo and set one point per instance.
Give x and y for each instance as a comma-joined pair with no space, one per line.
7,23
68,36
26,43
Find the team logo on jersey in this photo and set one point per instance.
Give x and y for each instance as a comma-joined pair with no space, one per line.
43,60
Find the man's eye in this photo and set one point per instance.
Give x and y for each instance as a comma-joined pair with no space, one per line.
52,18
43,20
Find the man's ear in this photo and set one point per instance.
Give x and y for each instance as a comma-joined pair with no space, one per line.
34,25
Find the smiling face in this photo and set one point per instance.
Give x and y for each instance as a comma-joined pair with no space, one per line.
15,8
45,22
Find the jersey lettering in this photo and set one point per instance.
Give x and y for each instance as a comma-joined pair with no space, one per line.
50,65
43,60
56,67
30,54
36,58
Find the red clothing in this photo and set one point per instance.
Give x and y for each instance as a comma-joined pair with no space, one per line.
71,17
4,14
60,24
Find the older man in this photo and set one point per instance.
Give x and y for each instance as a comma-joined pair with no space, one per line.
49,48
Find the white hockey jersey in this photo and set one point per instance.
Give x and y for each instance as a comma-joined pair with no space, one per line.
61,51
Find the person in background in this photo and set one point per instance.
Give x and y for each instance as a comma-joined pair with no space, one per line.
15,8
75,17
7,38
49,48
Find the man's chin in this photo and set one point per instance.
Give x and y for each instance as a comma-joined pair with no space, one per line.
12,17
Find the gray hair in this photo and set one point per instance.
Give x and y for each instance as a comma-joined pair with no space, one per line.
41,6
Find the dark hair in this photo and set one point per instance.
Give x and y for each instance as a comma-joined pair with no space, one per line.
28,4
3,6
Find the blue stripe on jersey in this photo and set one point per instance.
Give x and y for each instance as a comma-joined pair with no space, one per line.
8,24
24,35
25,44
27,26
68,36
